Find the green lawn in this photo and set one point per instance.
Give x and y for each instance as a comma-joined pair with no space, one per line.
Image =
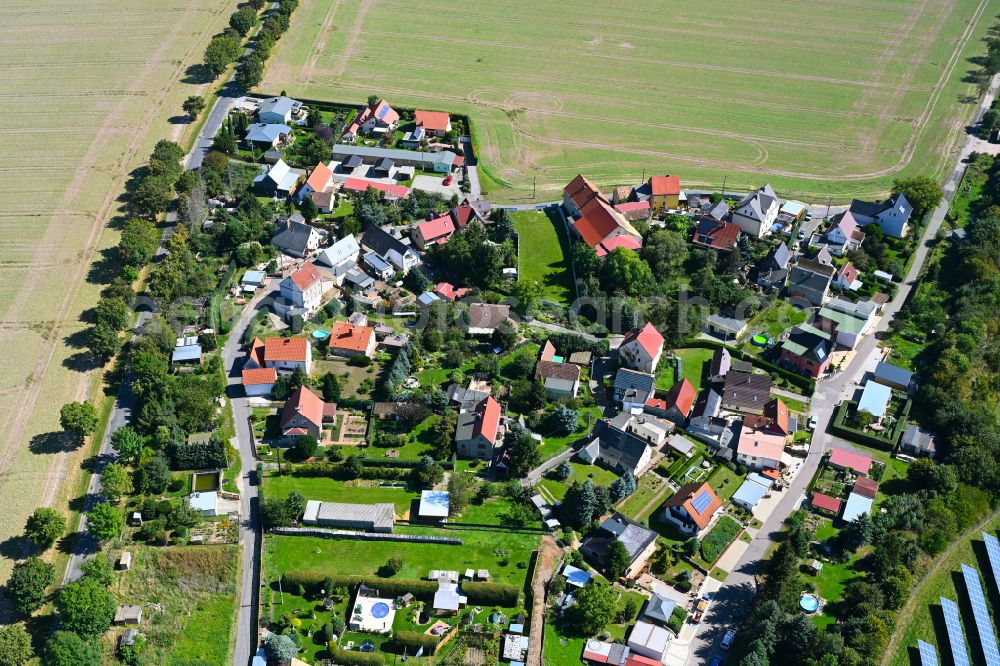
581,472
724,482
637,505
904,352
773,320
482,548
440,376
552,446
692,364
331,490
800,406
719,538
543,252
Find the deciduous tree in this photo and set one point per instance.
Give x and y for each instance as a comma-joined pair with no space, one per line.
28,582
15,645
85,607
44,526
78,418
105,521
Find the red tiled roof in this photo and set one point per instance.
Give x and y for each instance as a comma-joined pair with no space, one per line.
681,396
488,421
661,186
628,242
256,352
866,487
760,444
821,501
360,185
635,659
548,351
771,473
286,349
553,370
580,191
350,337
303,402
445,290
685,496
722,236
848,273
259,376
777,411
657,403
306,276
439,227
630,206
648,338
437,121
319,178
856,461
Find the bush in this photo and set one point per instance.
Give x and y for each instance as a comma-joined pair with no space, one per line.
491,594
683,586
677,619
353,658
387,587
412,641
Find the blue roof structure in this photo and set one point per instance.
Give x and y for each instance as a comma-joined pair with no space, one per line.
377,262
575,576
981,613
928,657
959,654
875,399
760,479
856,506
186,353
427,298
254,277
434,504
893,373
748,494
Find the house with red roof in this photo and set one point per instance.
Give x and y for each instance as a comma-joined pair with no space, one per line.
844,460
469,211
635,210
844,234
561,380
433,232
664,193
822,502
641,349
284,355
437,123
347,339
389,192
716,234
447,291
678,403
305,413
847,277
606,247
596,221
320,180
479,433
303,289
372,120
692,508
258,379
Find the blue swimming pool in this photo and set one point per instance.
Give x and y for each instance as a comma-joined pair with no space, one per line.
809,603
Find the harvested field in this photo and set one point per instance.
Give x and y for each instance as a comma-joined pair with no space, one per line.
817,97
86,90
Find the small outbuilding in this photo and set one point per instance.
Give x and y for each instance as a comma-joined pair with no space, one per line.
434,505
125,615
125,561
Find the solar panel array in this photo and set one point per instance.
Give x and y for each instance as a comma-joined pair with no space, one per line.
702,501
993,551
987,638
955,637
928,657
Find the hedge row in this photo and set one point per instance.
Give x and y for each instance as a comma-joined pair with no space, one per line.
840,428
491,594
403,462
355,658
390,587
414,640
807,384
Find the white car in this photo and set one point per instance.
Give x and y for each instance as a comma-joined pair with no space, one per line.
812,422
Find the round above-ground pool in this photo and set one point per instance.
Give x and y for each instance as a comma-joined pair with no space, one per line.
320,334
367,646
380,610
809,603
760,340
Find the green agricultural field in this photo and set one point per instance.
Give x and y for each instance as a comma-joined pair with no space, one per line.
115,78
543,254
814,97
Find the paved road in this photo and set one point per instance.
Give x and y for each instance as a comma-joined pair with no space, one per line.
736,594
232,358
228,95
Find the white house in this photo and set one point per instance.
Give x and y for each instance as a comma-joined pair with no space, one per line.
757,212
277,109
844,234
303,288
391,249
341,257
319,180
760,449
641,349
287,354
650,640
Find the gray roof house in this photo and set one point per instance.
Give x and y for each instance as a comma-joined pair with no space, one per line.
892,215
341,256
633,386
757,212
659,609
639,542
390,248
442,162
278,109
917,442
296,239
277,180
810,280
721,360
266,135
617,449
893,376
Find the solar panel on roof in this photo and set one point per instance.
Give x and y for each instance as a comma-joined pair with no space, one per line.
987,637
928,657
993,551
955,637
384,110
702,501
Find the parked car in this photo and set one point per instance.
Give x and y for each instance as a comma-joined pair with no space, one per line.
812,422
727,640
446,181
716,660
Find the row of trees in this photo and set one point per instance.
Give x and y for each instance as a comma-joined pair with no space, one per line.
225,48
251,70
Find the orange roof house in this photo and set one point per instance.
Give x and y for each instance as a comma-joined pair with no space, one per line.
437,122
597,220
286,349
680,398
306,276
259,376
352,340
302,414
693,506
664,192
318,180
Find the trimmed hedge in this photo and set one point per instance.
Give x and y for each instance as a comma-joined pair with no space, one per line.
807,384
403,462
491,594
716,542
414,640
355,658
838,427
391,587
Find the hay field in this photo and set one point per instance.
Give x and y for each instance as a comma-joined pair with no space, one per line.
817,97
86,88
